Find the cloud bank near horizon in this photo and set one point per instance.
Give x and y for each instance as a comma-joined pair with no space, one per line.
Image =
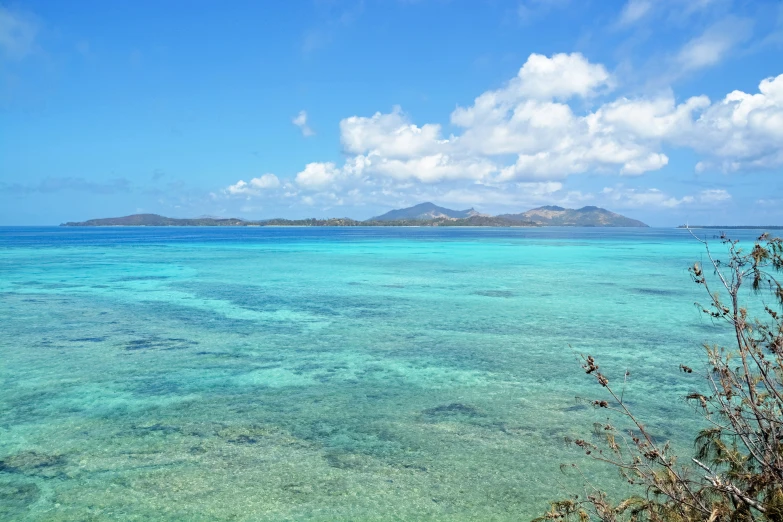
517,145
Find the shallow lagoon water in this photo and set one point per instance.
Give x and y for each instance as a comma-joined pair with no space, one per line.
328,374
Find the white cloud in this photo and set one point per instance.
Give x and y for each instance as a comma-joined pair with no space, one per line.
692,6
527,127
739,132
301,121
633,198
17,33
652,161
634,11
254,187
530,120
714,196
550,141
622,197
562,77
266,181
774,203
389,135
650,118
713,45
743,130
515,145
390,145
432,168
317,175
558,164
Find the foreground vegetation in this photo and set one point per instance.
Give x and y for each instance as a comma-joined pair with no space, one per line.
736,473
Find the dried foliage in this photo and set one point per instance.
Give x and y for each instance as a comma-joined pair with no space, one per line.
736,473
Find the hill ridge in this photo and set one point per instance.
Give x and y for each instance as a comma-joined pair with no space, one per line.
426,210
587,216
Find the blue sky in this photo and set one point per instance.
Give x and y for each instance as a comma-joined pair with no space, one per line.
667,111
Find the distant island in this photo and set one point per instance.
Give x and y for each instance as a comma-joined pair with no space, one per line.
734,227
422,215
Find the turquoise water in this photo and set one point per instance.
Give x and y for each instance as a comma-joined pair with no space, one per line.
327,374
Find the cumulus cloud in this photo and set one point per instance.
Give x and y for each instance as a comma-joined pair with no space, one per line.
301,121
546,124
316,175
254,187
650,118
390,145
531,120
742,131
433,168
528,117
389,135
562,77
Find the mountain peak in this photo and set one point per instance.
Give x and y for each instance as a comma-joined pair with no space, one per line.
589,216
425,210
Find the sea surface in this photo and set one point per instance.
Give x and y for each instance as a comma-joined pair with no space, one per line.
330,374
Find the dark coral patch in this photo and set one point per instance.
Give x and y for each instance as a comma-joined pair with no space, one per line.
453,409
